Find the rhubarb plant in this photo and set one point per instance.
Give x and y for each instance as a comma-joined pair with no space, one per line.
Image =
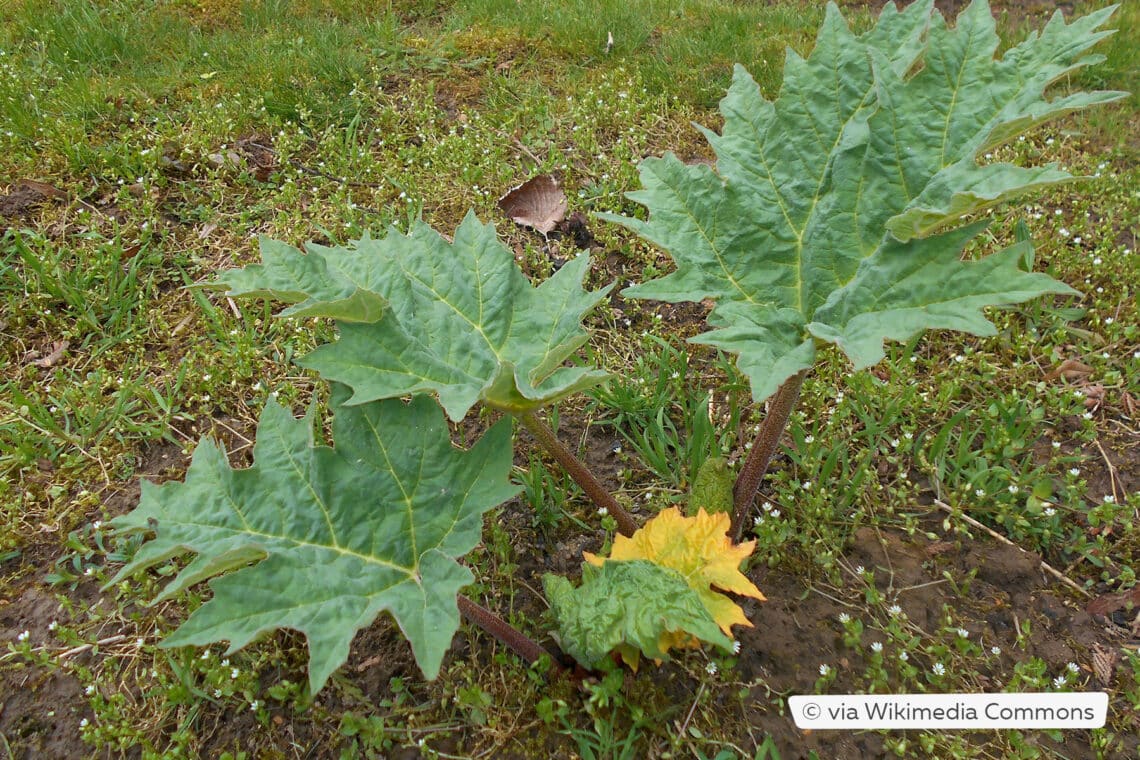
836,214
323,539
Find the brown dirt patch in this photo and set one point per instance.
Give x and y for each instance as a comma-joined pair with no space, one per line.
40,709
25,196
794,634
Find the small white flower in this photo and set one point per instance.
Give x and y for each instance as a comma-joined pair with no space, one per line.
775,513
1074,471
894,610
234,673
736,647
767,507
53,625
979,492
1013,489
809,439
140,642
217,693
1056,444
1087,415
963,633
939,669
254,705
806,485
844,618
995,651
1110,499
824,670
603,511
904,656
23,636
1073,668
83,723
1059,681
859,570
711,668
1049,511
90,689
876,647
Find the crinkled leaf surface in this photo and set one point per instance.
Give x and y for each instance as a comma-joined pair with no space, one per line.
712,487
635,608
700,550
419,314
830,211
322,540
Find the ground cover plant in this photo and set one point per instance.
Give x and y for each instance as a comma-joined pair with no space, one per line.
884,565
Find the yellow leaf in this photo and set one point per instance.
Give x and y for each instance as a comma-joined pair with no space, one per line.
698,548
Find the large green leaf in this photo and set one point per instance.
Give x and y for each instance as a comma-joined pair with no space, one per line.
328,538
419,314
827,215
634,607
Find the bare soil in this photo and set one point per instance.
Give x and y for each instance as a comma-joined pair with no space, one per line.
794,632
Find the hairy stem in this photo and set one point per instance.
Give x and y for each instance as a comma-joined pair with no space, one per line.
763,448
577,469
521,644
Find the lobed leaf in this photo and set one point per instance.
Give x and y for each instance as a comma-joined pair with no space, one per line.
322,540
826,218
419,314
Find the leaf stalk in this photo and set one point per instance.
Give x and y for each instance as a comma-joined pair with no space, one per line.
521,644
581,474
763,449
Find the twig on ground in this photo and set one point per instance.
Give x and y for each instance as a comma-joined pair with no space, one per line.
1044,565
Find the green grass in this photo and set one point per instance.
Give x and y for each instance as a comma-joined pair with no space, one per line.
177,132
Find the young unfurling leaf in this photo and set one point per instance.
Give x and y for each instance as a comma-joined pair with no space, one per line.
712,488
659,589
629,608
700,550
